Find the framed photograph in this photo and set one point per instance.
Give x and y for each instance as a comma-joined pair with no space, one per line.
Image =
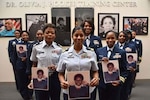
21,50
111,71
40,78
132,60
137,24
9,25
83,13
35,22
61,18
79,84
107,22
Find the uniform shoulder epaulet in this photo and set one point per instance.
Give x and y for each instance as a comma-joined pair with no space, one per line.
58,45
88,48
37,43
66,49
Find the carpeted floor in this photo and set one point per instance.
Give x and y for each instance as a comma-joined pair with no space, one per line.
140,92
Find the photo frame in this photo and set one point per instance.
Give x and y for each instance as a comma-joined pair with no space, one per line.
137,24
131,60
61,18
21,50
83,13
16,25
107,22
79,84
40,78
35,22
111,71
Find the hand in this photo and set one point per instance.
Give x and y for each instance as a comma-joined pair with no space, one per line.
23,58
105,59
115,83
64,84
52,67
30,85
94,82
132,69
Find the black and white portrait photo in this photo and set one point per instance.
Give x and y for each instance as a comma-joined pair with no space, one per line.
35,22
61,18
107,22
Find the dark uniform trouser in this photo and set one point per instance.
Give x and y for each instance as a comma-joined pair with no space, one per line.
23,82
127,86
54,89
92,96
135,73
109,93
15,76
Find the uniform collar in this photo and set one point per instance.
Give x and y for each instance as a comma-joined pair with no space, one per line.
121,44
71,49
110,48
88,36
44,44
133,39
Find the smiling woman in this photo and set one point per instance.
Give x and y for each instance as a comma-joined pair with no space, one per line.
74,59
107,22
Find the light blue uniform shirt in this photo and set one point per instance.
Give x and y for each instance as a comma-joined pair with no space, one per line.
7,33
46,55
85,60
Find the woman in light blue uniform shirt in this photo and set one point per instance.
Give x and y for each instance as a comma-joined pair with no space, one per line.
46,54
73,60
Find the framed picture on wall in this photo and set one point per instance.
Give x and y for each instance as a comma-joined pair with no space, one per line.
61,18
35,22
83,13
137,24
9,25
107,22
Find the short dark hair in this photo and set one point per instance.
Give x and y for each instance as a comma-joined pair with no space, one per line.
126,36
112,18
112,32
60,19
40,71
23,32
48,25
130,56
110,63
91,24
18,31
77,28
21,47
78,75
130,33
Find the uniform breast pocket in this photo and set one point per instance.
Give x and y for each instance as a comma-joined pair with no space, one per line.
41,56
55,58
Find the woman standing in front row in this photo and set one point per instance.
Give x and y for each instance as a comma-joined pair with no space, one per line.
46,54
73,60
